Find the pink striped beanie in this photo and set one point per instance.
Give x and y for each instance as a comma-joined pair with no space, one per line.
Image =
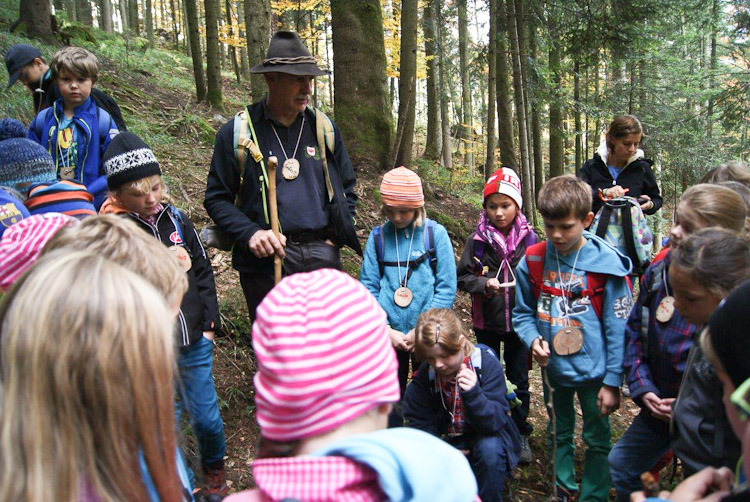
23,241
324,356
401,187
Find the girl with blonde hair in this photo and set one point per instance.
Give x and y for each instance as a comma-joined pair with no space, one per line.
658,339
87,386
459,394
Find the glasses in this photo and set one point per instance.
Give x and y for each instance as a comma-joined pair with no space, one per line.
739,400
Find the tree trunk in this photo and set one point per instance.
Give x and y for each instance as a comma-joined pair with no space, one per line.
504,114
83,12
518,90
362,110
232,34
433,141
522,57
133,17
446,154
213,63
712,71
149,23
124,15
577,111
466,129
195,49
105,16
489,162
407,82
556,132
35,17
244,68
258,26
175,26
536,119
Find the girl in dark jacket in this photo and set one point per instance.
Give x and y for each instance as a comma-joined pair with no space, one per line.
485,271
619,167
459,394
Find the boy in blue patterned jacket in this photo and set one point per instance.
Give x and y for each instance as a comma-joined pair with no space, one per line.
572,317
74,130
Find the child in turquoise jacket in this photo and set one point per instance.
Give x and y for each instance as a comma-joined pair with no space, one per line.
576,333
408,265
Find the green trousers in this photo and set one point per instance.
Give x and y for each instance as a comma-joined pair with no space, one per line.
596,482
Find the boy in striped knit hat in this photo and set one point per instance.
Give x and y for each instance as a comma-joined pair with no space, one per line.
325,384
408,264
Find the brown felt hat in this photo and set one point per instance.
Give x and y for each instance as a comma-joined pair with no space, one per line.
287,54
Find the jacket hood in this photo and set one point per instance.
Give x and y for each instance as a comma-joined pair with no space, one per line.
596,256
603,153
112,206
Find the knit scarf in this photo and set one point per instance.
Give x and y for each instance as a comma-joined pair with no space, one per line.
503,246
450,396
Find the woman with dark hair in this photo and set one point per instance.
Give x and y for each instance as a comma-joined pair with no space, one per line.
619,167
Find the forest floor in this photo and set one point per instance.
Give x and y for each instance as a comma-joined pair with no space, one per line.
179,131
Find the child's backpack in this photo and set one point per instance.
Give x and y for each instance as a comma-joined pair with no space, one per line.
621,222
429,245
105,102
595,282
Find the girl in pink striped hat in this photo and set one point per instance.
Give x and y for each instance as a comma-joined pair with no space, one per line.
408,265
324,388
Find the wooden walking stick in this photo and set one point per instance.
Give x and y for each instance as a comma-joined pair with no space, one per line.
272,163
552,430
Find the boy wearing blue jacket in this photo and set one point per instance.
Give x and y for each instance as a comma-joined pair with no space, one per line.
74,130
572,316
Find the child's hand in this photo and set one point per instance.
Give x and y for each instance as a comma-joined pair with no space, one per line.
608,399
466,378
209,335
409,340
708,485
540,351
492,286
397,339
659,408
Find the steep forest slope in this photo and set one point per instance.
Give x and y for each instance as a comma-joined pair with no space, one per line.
155,91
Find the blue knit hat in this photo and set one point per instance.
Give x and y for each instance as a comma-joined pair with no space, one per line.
22,161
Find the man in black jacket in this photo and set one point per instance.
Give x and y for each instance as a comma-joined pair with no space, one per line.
315,202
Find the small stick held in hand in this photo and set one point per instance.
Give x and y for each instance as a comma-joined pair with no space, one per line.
650,485
272,163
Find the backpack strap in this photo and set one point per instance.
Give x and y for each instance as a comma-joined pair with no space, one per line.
626,220
604,216
595,282
326,137
377,234
535,261
179,220
429,245
39,121
242,144
104,119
